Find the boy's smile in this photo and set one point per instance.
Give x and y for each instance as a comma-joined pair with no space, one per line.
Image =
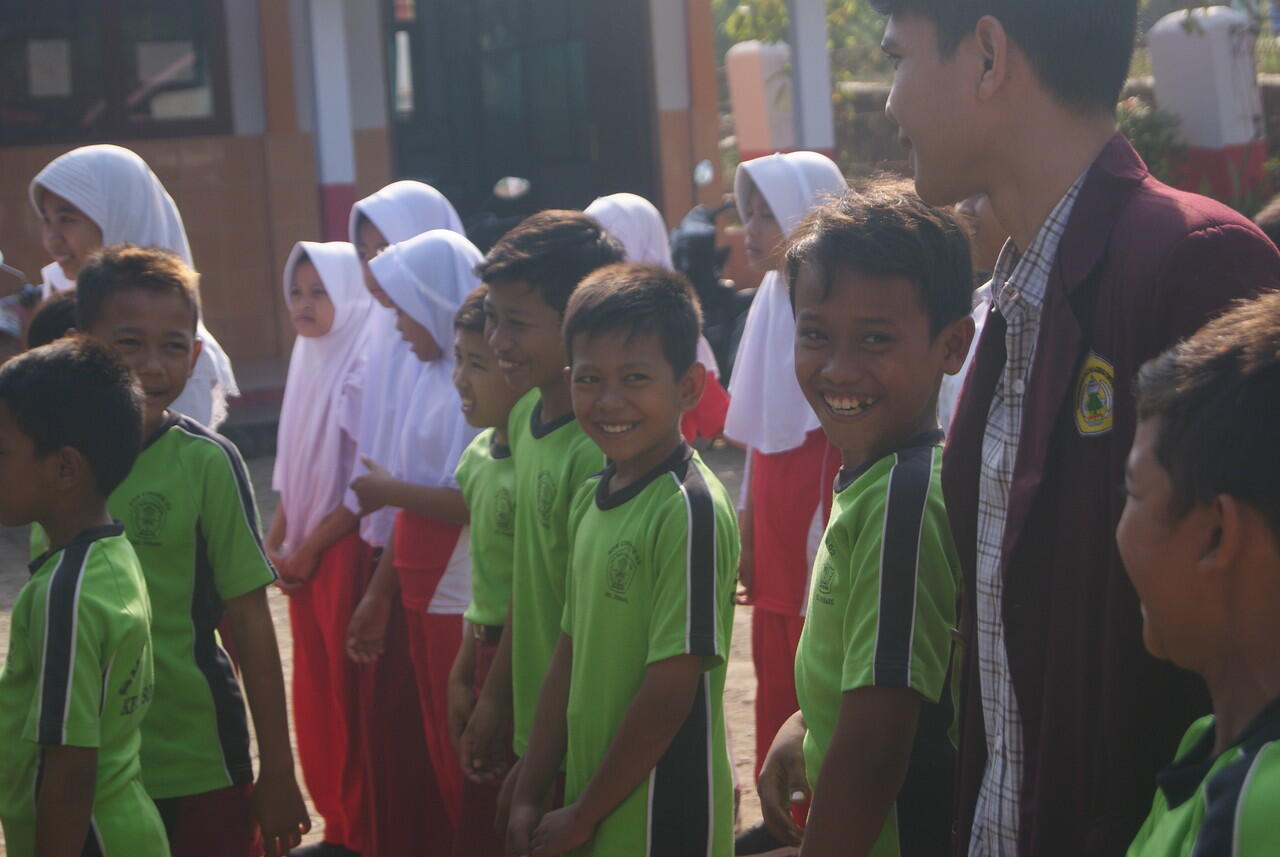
154,335
524,332
486,396
628,399
866,361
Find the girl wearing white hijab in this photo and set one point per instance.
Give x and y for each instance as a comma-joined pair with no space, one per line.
313,540
639,227
399,805
111,190
790,465
427,278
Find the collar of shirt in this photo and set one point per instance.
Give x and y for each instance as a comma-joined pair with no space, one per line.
1022,278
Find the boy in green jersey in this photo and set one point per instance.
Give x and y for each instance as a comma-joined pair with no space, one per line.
188,509
632,700
531,273
78,678
1200,539
486,475
881,285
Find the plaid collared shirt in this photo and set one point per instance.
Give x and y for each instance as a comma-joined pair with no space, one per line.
1018,288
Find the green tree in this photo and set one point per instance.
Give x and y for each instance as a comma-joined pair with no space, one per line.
853,33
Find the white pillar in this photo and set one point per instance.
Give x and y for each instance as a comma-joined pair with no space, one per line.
335,146
811,75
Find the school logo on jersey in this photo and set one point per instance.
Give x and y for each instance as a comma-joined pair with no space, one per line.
624,561
147,514
1095,396
546,498
504,512
826,582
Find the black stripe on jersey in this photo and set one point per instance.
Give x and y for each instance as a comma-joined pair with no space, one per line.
700,567
899,561
680,810
93,842
244,487
58,663
215,666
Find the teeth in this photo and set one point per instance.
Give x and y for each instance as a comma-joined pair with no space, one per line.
506,365
614,429
849,405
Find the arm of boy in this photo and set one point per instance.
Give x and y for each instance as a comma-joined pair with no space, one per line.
278,807
378,489
652,720
64,803
483,746
462,692
542,758
781,776
862,772
368,626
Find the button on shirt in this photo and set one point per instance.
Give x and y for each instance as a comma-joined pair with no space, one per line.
1018,285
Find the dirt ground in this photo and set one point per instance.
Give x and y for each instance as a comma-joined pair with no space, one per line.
739,691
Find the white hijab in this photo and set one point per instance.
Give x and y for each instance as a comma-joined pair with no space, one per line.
639,226
312,465
118,191
767,410
428,277
400,211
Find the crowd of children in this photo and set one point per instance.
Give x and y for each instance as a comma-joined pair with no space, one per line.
512,579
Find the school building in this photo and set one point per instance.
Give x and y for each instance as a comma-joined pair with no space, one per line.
266,119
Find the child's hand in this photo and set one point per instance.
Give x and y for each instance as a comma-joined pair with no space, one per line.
482,748
502,806
301,566
560,831
368,629
280,813
370,488
746,568
522,821
462,701
781,776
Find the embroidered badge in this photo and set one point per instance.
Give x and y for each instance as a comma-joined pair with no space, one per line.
149,511
1095,396
545,498
624,561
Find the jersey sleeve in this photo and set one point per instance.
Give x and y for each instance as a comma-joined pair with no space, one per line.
70,641
901,607
579,506
1256,831
230,526
684,618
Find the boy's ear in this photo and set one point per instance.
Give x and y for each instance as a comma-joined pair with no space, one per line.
197,345
68,468
690,386
957,337
1227,526
993,47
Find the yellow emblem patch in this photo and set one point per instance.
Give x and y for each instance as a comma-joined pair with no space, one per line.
1095,396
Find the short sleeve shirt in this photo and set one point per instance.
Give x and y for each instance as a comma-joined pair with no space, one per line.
486,475
1218,806
654,566
79,674
552,460
882,609
188,508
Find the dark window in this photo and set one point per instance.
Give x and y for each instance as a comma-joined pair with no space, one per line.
96,69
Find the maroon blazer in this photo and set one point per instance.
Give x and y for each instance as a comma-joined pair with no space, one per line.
1140,266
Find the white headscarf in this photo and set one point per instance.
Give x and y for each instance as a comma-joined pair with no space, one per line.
118,191
639,226
400,211
428,277
767,410
313,457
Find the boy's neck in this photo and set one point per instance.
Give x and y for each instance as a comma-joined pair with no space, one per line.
152,426
631,471
556,401
73,518
855,458
1241,685
500,434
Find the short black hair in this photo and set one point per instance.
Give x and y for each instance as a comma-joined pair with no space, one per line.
885,229
52,319
120,267
470,315
76,393
1216,395
552,251
1268,220
1080,49
639,299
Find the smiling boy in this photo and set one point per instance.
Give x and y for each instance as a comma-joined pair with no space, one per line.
632,700
881,285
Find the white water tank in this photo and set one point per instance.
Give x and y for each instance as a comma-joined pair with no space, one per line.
760,96
1205,74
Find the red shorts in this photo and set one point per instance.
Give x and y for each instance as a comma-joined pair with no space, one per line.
212,824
